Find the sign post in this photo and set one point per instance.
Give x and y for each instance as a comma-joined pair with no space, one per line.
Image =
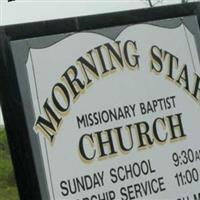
105,106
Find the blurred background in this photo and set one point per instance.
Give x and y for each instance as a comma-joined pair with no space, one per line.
21,11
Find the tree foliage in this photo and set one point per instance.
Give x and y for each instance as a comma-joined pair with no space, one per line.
8,189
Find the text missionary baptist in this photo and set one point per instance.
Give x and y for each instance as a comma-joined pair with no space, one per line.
121,55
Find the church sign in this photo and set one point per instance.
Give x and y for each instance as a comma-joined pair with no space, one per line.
105,110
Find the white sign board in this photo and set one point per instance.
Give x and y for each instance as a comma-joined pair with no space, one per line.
117,117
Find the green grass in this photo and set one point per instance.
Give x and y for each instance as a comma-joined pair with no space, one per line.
8,188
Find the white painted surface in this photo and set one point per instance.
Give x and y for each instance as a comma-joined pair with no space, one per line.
124,87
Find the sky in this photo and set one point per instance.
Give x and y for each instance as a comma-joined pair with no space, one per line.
23,11
20,11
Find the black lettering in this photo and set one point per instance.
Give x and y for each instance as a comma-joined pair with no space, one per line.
196,88
173,62
119,134
64,93
156,62
73,82
135,58
50,125
64,188
174,126
88,67
114,54
155,132
82,149
108,142
183,77
143,133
